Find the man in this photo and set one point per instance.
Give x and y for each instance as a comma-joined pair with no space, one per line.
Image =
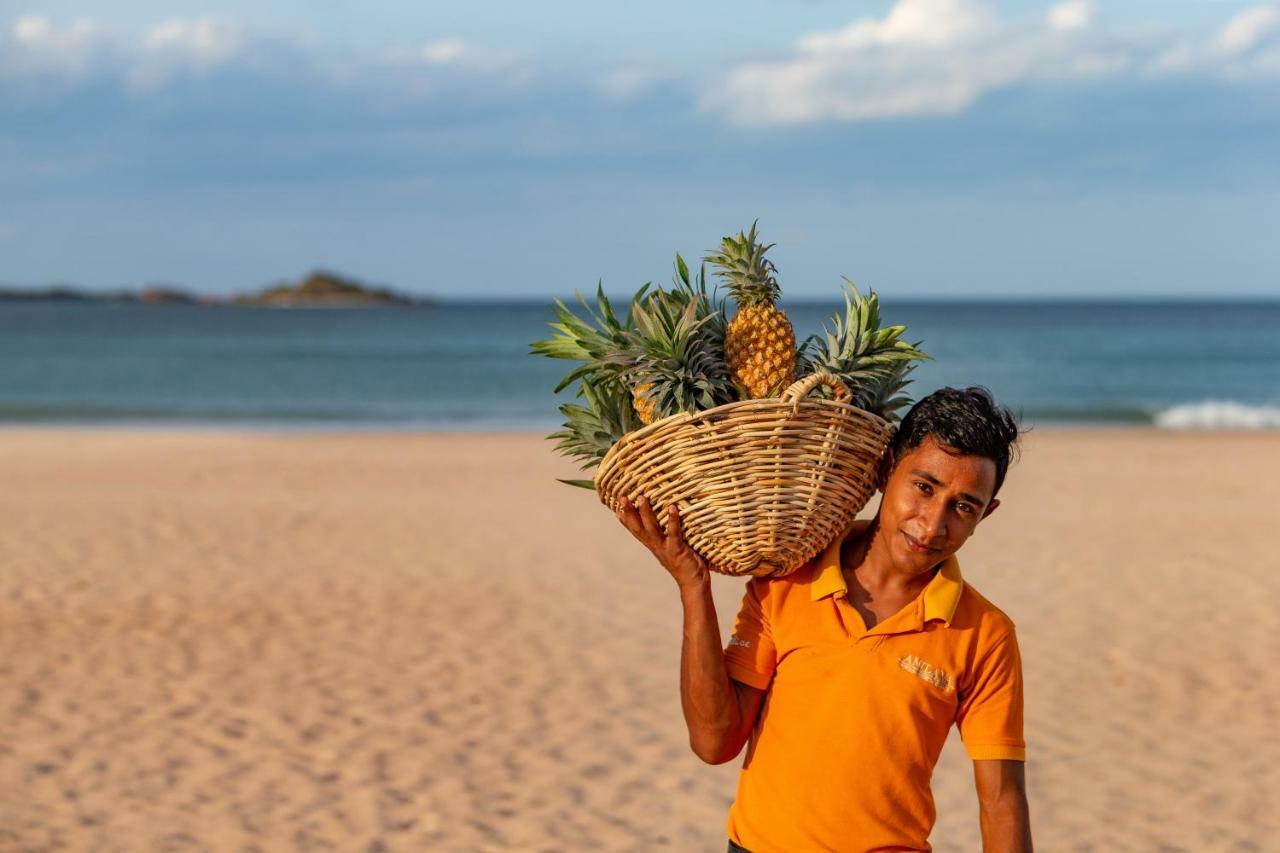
847,674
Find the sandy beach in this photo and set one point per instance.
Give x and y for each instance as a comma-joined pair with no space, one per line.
406,642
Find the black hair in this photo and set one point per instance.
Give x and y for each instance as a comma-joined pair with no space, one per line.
969,422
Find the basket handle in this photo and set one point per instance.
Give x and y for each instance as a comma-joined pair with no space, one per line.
802,387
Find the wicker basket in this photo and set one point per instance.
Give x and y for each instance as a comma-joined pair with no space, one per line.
761,485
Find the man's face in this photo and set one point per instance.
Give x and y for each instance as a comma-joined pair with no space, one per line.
933,501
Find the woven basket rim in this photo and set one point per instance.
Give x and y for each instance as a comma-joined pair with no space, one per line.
760,404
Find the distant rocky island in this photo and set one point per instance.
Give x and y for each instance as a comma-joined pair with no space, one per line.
319,289
325,288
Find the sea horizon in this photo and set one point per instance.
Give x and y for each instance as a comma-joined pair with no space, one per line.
103,295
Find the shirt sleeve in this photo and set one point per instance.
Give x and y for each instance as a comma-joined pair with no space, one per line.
750,653
989,715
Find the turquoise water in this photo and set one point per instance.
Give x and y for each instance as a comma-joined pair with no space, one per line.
465,366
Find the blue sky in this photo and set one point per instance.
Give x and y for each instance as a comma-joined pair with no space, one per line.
922,147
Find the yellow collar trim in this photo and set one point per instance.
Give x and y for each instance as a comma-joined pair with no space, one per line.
941,596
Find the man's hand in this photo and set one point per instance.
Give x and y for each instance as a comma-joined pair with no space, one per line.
682,562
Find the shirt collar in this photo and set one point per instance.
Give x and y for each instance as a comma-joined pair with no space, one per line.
941,596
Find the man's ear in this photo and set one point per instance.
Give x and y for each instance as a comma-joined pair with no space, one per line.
991,507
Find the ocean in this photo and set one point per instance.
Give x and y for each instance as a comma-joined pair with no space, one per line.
465,366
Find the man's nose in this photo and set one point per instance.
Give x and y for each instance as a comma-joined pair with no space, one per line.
934,518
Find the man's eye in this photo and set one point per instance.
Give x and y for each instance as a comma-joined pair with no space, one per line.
965,508
924,487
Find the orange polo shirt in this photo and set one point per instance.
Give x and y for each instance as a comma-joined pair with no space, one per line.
851,728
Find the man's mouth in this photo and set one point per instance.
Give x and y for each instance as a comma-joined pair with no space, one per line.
917,547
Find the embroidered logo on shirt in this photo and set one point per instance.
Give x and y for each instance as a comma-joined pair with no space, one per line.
926,672
734,641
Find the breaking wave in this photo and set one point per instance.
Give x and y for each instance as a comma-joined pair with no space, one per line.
1218,414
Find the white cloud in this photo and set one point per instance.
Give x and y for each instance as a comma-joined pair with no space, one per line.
938,57
1247,46
909,22
451,53
918,58
205,41
925,57
37,44
176,46
1070,15
445,52
1247,29
148,58
31,30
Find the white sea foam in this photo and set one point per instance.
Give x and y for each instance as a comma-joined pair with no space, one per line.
1219,414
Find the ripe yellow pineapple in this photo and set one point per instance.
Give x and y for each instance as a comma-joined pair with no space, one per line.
760,344
641,402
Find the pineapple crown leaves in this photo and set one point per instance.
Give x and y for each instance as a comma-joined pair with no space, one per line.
872,361
589,431
671,349
682,272
856,346
878,395
682,284
717,326
675,339
666,330
580,340
751,277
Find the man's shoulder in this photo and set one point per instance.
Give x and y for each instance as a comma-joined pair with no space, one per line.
776,590
801,578
976,612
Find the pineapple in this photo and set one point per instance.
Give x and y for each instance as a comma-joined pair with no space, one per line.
760,344
670,358
711,331
643,402
663,356
872,362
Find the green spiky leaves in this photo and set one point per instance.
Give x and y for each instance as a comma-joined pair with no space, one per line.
579,340
673,340
872,361
713,309
749,275
671,348
590,430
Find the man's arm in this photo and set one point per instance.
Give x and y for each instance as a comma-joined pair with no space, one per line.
1002,803
718,710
